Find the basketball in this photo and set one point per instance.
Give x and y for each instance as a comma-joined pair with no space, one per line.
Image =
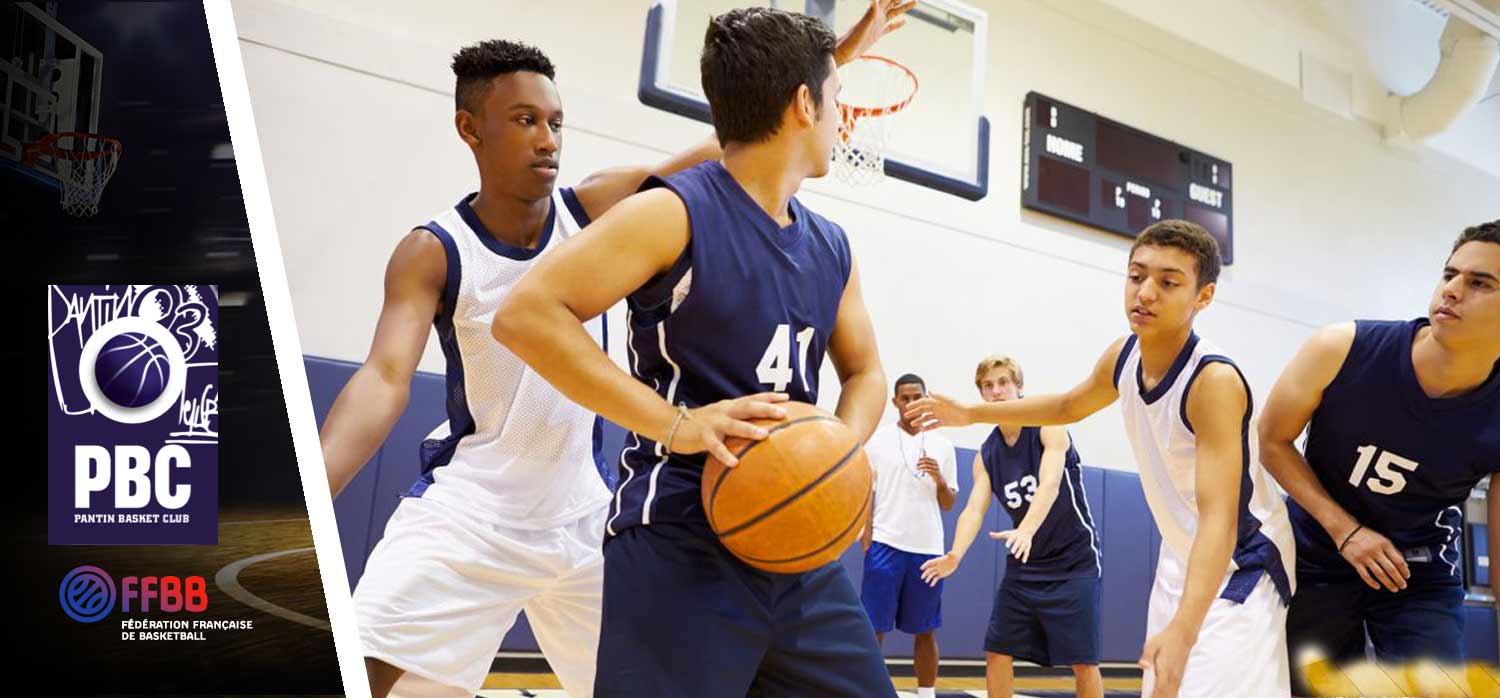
132,369
797,499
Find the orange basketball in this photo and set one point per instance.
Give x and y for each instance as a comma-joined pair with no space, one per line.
797,499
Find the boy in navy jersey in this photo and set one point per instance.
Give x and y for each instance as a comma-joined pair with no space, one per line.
1047,609
1405,421
736,292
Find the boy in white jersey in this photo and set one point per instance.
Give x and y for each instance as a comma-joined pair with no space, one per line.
509,512
1215,627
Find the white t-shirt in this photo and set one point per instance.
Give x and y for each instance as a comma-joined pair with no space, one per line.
906,507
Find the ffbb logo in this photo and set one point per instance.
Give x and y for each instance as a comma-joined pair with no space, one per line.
88,594
132,422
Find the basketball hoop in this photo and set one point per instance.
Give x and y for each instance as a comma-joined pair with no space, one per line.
85,162
875,87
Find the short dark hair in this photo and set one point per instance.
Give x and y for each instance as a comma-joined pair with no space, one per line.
1188,237
753,61
476,65
909,379
1484,232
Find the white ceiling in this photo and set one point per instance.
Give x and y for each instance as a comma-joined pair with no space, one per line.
1276,38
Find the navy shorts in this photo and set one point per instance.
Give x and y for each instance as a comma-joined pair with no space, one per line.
895,595
1423,621
683,618
1051,623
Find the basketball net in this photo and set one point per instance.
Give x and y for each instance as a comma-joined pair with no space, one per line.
875,88
85,162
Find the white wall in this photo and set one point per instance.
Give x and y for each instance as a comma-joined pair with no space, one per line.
354,109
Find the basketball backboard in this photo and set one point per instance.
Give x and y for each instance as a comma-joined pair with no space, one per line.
940,141
50,79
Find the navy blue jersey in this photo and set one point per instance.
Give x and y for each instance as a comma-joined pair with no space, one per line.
748,308
1064,547
1400,462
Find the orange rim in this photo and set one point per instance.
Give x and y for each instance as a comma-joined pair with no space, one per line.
48,146
852,112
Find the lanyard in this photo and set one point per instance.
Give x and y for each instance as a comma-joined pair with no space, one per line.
921,446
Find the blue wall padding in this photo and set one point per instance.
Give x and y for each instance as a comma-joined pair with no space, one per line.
1128,539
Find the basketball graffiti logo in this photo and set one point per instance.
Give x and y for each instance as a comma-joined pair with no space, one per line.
133,415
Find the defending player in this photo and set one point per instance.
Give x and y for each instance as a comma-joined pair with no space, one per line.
1224,577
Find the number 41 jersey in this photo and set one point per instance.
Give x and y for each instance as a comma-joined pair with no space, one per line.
1400,462
747,308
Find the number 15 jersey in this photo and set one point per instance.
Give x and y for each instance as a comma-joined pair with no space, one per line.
1400,462
747,308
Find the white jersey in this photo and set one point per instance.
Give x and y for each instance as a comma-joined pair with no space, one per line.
1166,453
514,450
907,516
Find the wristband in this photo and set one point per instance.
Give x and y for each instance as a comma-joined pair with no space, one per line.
682,414
1351,535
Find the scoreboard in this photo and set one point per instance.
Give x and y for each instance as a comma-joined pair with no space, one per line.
1104,174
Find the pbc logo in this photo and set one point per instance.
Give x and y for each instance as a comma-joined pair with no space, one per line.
132,422
88,594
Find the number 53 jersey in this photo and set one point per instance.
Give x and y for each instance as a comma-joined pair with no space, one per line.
748,307
1400,462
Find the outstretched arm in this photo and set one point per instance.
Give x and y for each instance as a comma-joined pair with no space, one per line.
1093,394
601,190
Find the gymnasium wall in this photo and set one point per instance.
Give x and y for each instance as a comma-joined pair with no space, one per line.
353,106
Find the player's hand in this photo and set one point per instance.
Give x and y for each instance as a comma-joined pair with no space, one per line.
939,568
1165,656
929,466
882,17
1377,560
936,411
1018,541
706,428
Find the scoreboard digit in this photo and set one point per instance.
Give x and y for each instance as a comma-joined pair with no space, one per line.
1101,173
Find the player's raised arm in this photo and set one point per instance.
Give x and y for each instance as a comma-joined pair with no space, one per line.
1289,408
605,188
540,321
375,396
601,190
880,18
1095,393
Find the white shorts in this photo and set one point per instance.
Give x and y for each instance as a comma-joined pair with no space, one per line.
1241,648
442,588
